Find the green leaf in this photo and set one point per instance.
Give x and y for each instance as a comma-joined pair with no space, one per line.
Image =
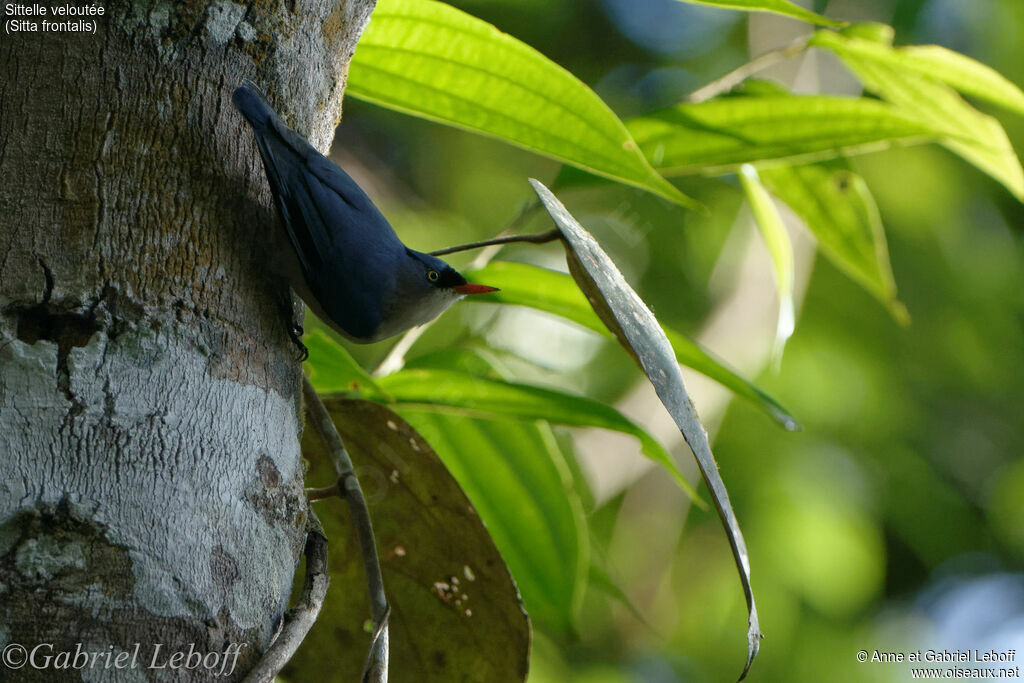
934,62
517,480
976,137
441,570
725,132
547,290
331,369
431,60
460,360
636,328
874,31
457,392
838,209
602,581
783,7
776,238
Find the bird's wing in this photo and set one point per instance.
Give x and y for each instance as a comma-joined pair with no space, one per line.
324,212
345,246
306,229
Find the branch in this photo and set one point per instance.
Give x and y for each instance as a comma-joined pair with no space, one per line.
316,495
527,208
375,670
321,420
741,73
300,618
536,238
347,486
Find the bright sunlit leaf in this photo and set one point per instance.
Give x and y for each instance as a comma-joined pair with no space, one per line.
776,238
636,328
557,293
431,60
934,62
783,7
838,209
724,132
976,137
875,31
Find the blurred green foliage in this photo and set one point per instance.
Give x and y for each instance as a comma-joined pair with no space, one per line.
905,488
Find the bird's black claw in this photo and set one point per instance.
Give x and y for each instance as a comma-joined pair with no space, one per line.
295,332
293,326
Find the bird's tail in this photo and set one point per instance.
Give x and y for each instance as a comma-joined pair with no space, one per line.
283,152
253,104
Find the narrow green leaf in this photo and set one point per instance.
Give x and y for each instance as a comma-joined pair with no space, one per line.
725,132
464,394
758,87
331,369
431,60
460,360
441,569
934,62
635,327
484,361
516,478
874,31
776,238
838,209
976,137
547,290
783,7
602,581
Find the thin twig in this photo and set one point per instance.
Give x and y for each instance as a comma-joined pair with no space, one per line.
375,670
525,210
299,619
534,238
488,254
316,495
740,74
349,488
377,659
395,358
318,415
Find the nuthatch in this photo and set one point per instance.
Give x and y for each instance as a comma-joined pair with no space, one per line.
354,272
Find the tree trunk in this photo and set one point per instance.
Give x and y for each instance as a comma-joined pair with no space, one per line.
150,477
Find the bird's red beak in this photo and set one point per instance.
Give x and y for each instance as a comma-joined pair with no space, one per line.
470,288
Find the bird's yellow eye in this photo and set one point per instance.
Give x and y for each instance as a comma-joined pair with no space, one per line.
433,275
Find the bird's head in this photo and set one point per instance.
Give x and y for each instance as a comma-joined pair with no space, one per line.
442,277
424,288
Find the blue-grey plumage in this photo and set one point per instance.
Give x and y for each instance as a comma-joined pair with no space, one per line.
355,273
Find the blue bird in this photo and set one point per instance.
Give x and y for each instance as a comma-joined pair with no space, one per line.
353,271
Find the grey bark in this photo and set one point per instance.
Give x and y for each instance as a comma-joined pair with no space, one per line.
150,477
